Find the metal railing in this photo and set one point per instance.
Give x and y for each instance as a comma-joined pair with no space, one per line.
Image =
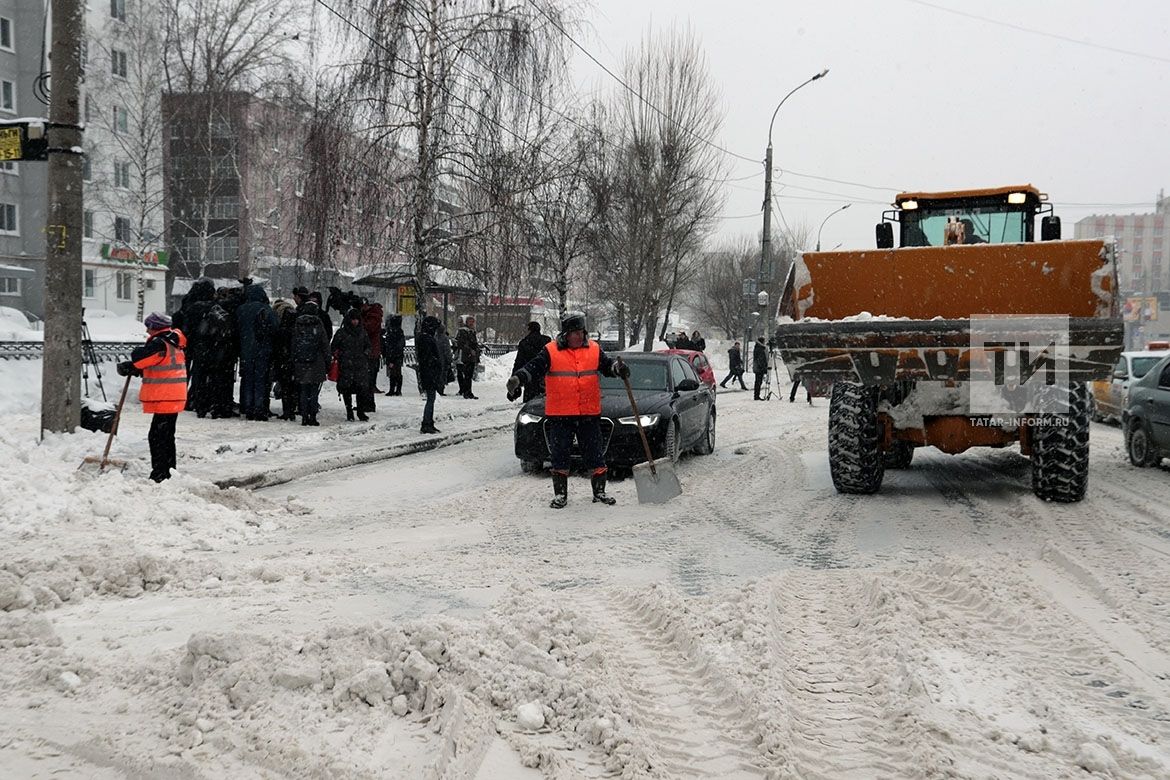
32,350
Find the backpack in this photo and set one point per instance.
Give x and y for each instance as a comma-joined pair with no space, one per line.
216,325
306,340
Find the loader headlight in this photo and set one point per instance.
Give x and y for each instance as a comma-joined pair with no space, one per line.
909,205
1017,197
647,420
527,419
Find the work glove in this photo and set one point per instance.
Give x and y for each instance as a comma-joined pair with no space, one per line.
126,368
620,368
513,388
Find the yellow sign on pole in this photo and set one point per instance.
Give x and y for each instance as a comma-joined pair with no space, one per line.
10,144
407,300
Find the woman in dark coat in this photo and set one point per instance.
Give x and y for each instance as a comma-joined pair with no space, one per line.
351,345
698,343
431,369
310,355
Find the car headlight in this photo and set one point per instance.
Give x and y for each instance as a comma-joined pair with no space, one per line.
647,420
527,419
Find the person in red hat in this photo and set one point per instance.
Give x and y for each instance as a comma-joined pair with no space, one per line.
163,368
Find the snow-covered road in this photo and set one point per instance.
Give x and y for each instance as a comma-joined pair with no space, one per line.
429,615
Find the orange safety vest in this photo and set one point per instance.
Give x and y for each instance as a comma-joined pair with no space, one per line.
572,385
164,380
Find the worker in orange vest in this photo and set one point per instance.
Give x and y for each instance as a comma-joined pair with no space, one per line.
571,366
162,366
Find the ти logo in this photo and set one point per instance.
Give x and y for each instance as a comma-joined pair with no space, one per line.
1019,364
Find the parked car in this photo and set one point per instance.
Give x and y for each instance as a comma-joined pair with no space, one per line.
677,411
1110,396
698,361
1146,419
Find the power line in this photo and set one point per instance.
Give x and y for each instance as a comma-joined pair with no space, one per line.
633,91
846,182
756,215
1043,33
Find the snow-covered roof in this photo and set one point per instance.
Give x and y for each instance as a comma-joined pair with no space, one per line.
17,270
439,279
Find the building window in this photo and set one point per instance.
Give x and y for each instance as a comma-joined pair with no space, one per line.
9,225
87,224
7,96
89,109
8,166
122,174
122,229
125,285
89,281
9,285
86,168
149,284
118,10
121,120
118,62
6,34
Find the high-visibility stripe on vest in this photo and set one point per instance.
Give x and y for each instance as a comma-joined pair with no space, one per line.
572,385
164,380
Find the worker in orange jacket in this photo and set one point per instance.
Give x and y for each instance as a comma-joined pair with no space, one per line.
161,364
571,366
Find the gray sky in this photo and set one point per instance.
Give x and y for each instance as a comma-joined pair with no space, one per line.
923,99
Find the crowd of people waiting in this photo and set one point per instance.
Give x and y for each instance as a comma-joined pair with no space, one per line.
288,349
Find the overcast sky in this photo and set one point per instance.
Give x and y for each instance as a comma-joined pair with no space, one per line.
920,98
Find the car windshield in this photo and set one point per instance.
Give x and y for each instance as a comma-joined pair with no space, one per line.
982,225
645,377
1142,365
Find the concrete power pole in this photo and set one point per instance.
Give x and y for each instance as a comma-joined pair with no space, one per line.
61,377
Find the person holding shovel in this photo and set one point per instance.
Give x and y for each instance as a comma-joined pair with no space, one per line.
570,366
162,366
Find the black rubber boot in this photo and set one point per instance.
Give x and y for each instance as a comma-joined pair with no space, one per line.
599,495
560,491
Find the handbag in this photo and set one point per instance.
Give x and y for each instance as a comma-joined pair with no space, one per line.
334,368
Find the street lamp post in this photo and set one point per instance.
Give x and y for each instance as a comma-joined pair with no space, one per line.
826,219
766,248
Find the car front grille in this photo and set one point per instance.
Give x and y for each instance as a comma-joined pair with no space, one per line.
607,425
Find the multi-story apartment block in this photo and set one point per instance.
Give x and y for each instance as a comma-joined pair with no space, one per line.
124,262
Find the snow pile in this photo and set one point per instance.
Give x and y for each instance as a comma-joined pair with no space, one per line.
14,326
531,661
105,325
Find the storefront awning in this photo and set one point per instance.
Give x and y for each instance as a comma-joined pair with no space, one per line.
439,279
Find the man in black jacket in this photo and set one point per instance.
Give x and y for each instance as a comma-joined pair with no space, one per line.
529,347
394,350
734,366
759,365
431,370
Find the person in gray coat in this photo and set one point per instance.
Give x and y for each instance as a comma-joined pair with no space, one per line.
310,357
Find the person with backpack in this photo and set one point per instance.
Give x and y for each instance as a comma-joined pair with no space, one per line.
394,350
351,348
190,320
310,354
163,368
257,325
431,371
467,354
219,328
282,364
326,320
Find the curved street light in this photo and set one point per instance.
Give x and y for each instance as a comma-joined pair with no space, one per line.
826,219
766,249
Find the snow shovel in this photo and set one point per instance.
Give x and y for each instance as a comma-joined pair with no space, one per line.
655,479
105,459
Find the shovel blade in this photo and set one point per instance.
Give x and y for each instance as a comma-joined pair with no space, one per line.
659,486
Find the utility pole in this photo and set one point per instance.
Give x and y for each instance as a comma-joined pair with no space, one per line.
61,375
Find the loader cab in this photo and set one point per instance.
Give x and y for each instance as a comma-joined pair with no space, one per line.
1004,215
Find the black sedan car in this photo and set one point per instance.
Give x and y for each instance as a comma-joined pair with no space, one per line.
1146,418
677,410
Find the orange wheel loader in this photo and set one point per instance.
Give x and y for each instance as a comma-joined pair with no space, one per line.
969,333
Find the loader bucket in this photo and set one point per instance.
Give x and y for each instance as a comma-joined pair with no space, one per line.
882,316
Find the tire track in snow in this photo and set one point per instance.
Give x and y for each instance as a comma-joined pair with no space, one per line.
681,710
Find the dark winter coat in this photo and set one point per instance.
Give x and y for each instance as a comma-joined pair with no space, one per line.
734,360
444,342
310,346
759,359
372,323
351,345
394,341
322,315
257,325
467,346
529,347
196,303
432,372
699,344
682,342
286,314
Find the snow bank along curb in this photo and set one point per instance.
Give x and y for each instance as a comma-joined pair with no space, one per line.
341,460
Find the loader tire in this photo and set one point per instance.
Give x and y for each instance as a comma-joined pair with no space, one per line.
898,456
1060,448
855,461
